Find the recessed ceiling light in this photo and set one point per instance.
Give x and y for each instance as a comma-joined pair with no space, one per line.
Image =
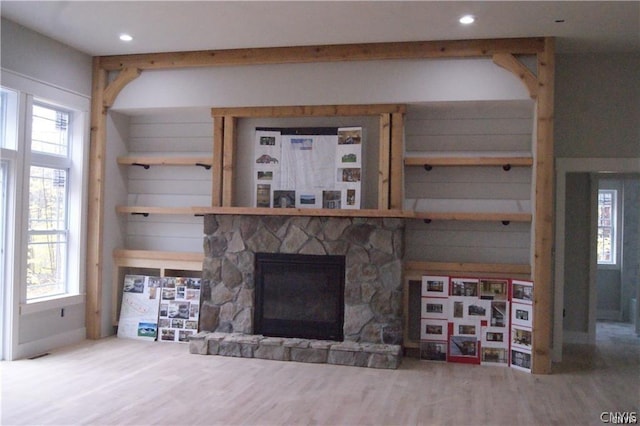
125,37
467,19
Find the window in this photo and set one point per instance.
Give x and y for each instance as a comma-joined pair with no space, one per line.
47,248
607,214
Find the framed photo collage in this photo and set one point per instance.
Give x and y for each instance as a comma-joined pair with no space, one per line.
486,321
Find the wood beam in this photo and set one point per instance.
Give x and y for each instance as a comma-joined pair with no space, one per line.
512,64
543,223
228,160
95,224
216,167
383,162
309,110
326,53
396,178
126,76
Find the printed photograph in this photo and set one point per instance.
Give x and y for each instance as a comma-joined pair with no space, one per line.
183,335
308,199
164,322
194,310
168,282
178,310
349,158
435,286
349,175
180,292
154,282
351,197
476,310
521,359
164,309
349,136
522,291
433,329
177,323
168,293
284,199
133,284
433,307
493,289
147,329
193,283
521,337
265,175
497,355
168,334
331,199
521,315
267,140
433,351
193,325
263,195
467,329
494,337
463,346
460,287
458,309
192,294
498,314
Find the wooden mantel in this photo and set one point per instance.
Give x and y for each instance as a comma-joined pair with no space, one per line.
504,53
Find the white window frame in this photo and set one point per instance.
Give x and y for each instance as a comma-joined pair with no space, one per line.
60,162
79,105
608,184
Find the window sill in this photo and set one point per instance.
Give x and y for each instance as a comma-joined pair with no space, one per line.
46,304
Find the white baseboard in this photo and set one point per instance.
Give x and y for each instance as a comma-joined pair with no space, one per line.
41,346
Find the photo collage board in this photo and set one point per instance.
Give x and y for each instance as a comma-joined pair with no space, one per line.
295,168
166,309
486,321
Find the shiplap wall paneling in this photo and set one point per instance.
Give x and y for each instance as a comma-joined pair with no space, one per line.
174,134
477,126
474,242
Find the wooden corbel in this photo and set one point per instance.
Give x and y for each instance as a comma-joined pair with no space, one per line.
511,63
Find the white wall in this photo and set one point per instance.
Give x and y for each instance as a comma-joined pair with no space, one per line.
48,70
403,81
41,58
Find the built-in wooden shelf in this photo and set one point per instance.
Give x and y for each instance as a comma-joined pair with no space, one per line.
505,160
264,211
373,213
473,216
121,256
146,161
147,210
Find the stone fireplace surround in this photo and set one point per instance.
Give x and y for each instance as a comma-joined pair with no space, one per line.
373,283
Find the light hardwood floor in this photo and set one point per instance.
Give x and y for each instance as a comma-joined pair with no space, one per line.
115,381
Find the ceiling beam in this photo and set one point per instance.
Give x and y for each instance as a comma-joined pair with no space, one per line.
326,53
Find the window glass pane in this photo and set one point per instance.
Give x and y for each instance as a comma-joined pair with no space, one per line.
606,226
46,264
47,199
47,246
50,131
8,118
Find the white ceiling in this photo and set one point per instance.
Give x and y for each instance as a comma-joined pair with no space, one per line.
163,26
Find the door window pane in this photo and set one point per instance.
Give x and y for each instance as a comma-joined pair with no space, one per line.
607,226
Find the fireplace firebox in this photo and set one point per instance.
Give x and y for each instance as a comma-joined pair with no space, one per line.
299,296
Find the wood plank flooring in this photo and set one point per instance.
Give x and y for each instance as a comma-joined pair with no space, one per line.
124,382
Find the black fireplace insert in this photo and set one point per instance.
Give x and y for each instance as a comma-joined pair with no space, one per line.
299,296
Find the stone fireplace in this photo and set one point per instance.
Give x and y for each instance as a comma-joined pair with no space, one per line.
372,249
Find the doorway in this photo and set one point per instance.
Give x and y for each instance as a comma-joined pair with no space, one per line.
576,307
